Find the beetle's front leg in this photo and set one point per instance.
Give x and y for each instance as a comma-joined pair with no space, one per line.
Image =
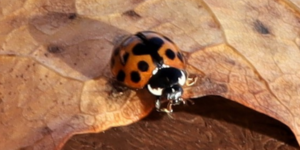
168,109
157,104
191,80
184,101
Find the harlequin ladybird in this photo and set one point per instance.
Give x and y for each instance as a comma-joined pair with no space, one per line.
149,59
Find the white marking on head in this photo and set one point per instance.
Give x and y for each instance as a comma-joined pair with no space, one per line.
156,69
155,91
182,79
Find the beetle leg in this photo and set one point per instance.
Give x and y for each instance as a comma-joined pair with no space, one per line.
191,80
188,100
118,89
168,109
179,101
157,104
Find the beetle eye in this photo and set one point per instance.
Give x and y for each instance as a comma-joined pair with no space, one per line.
182,78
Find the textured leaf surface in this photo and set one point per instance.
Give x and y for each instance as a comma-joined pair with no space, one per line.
54,74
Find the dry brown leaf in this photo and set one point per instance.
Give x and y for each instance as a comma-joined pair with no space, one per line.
259,63
54,76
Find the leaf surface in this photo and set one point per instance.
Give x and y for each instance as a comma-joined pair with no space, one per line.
55,79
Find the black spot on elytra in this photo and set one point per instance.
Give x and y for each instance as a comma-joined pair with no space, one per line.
131,13
72,16
135,76
170,54
260,27
149,47
156,42
179,55
143,66
121,76
54,49
140,49
125,58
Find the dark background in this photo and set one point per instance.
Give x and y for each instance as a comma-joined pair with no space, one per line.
212,123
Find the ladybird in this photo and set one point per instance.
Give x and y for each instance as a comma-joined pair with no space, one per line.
150,59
